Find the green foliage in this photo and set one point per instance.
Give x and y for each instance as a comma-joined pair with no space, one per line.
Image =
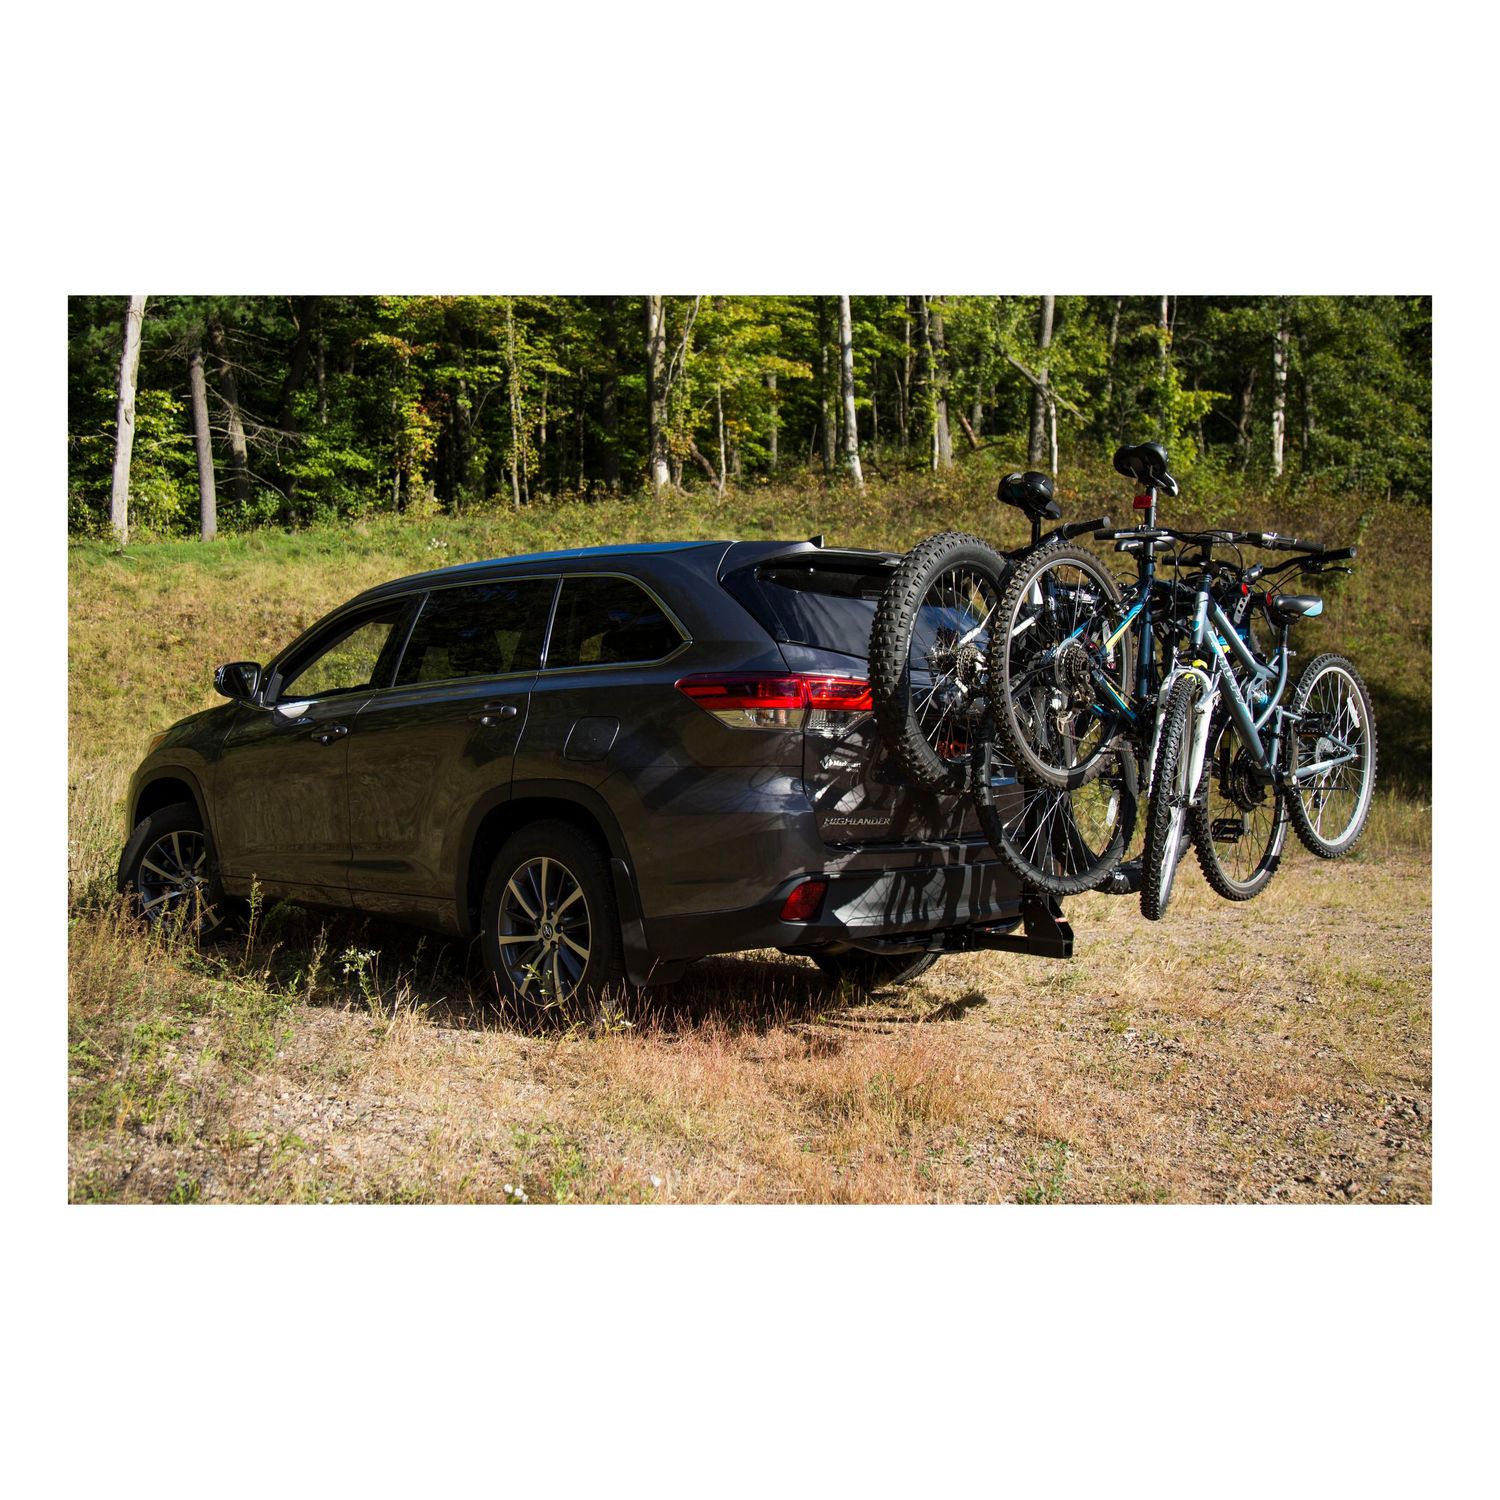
351,406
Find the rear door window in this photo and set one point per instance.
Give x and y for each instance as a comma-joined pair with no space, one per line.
481,630
608,621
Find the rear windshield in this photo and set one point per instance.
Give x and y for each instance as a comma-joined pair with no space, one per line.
828,605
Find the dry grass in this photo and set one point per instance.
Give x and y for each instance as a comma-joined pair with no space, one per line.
1276,1051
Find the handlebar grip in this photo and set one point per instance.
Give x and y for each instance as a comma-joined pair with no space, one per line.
1077,528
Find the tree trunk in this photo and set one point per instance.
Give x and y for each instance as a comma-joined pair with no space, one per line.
1247,409
1280,363
656,392
130,363
723,453
517,452
846,370
208,506
239,454
942,438
1109,377
610,397
1038,446
1165,369
825,417
774,436
306,318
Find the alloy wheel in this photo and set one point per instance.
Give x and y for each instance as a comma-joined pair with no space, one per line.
544,931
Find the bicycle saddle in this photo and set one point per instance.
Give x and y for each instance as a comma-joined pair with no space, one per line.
1288,607
1146,463
1030,493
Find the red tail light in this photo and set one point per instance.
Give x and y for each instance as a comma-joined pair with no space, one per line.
805,902
764,700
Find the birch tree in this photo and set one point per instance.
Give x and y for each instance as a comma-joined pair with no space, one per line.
1281,349
208,507
656,393
846,371
130,363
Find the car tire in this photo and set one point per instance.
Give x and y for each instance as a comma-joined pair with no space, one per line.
168,861
867,972
550,927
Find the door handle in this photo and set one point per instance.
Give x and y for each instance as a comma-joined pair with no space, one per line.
492,713
326,734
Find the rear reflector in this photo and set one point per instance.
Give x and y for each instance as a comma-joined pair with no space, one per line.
765,700
804,904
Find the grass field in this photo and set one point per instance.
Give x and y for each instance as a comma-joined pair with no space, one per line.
1270,1052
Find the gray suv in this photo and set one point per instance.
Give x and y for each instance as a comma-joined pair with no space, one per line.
601,763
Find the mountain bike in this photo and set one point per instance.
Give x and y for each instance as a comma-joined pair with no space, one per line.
930,654
1079,666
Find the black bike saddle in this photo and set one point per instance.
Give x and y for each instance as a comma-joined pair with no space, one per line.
1146,463
1030,493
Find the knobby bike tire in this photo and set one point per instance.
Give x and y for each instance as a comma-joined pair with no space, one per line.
897,716
1008,664
1303,819
1163,829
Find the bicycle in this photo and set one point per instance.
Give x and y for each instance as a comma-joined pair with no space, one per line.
1080,666
929,675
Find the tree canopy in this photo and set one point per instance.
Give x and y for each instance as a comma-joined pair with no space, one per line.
325,407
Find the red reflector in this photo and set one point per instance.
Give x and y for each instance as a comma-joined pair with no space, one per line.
805,902
1142,502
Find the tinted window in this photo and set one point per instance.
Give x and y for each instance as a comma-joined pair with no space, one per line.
605,620
826,606
480,631
347,662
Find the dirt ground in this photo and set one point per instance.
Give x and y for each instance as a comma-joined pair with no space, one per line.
1278,1051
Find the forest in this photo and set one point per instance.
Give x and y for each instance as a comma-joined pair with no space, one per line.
191,415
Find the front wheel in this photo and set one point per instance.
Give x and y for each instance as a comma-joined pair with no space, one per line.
1335,731
1062,842
1167,813
551,934
167,867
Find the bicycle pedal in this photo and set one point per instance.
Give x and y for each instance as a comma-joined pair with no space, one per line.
1124,880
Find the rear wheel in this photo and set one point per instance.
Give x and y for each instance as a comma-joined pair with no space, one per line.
1337,724
929,646
1057,687
551,933
1166,817
1239,824
874,971
167,866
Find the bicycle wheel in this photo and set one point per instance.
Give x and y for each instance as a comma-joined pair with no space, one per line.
929,646
1062,842
1058,688
1239,824
1337,724
1167,809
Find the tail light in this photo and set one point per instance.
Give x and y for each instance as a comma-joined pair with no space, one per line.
765,700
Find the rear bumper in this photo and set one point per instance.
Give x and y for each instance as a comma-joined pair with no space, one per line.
876,909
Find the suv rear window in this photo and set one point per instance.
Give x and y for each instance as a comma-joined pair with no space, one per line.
602,622
828,604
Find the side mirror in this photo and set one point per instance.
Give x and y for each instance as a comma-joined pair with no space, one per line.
239,680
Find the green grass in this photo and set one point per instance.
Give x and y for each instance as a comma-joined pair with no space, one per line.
176,1057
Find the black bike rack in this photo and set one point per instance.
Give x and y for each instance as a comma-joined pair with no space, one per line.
1045,932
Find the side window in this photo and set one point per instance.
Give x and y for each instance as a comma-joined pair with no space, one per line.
480,631
350,662
605,620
